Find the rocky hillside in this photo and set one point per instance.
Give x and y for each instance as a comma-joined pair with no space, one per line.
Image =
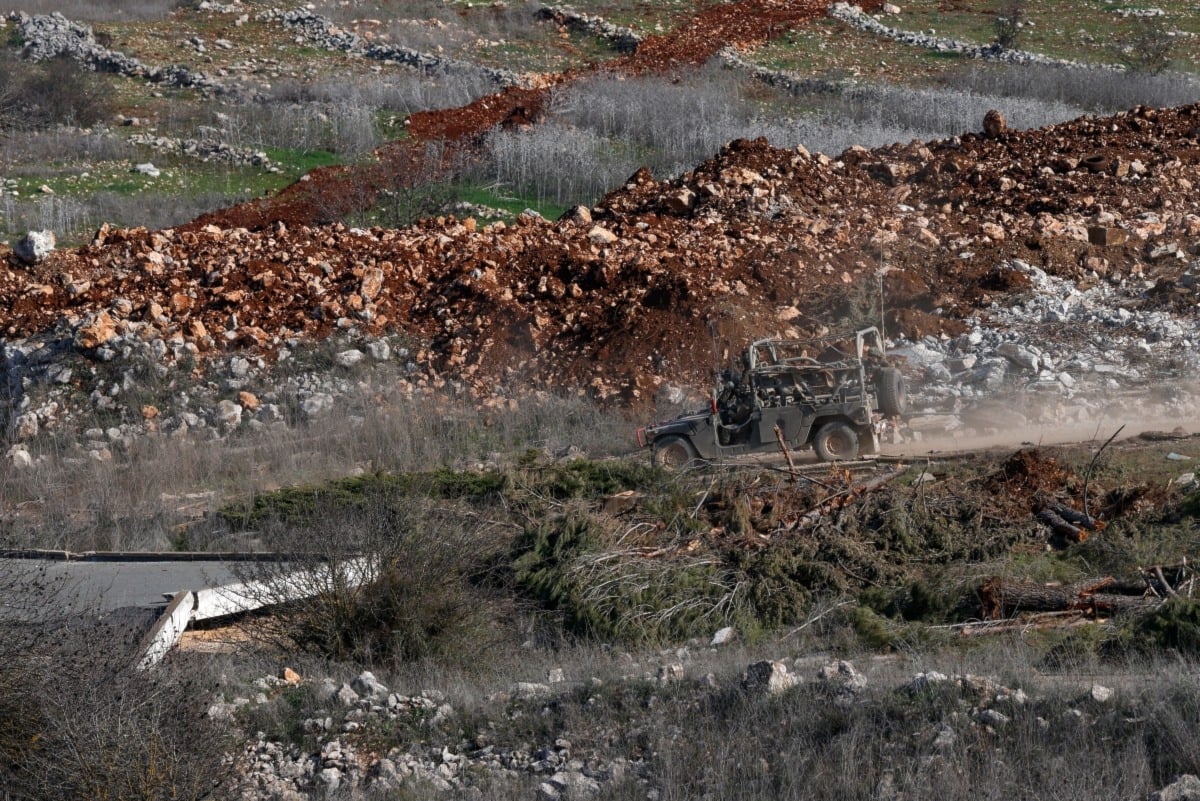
1059,262
1097,217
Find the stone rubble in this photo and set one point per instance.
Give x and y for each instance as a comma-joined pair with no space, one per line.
856,17
1061,354
209,148
48,36
622,39
787,80
322,32
346,751
271,770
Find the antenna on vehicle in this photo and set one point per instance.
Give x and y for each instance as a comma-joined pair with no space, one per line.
716,377
883,269
716,352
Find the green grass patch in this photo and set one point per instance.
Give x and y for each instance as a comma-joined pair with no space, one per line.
527,489
512,206
301,161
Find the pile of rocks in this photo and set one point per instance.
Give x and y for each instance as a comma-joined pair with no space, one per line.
48,36
345,753
322,32
48,387
1060,354
207,149
622,39
337,762
786,80
856,17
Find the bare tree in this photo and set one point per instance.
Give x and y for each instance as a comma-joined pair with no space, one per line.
1009,24
1148,46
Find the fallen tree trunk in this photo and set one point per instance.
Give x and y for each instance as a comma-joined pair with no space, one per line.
1038,622
1060,526
1114,604
1001,597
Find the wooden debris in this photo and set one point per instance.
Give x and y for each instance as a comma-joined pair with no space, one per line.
1038,622
1070,524
1013,601
787,452
1002,598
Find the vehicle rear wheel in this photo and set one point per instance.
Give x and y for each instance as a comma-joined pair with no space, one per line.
835,442
673,453
891,392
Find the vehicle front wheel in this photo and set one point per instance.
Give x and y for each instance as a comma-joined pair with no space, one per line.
673,453
836,442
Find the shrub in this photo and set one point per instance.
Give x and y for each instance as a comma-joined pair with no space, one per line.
78,721
408,195
1175,625
1008,24
388,581
1148,46
56,92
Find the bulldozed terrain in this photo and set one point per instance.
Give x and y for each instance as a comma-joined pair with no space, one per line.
453,401
659,280
618,299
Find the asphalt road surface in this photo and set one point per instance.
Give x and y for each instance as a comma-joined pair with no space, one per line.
48,589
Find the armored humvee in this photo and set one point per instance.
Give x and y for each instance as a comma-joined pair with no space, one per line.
830,394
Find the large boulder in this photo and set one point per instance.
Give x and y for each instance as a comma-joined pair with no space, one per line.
1185,788
769,677
95,331
34,246
994,124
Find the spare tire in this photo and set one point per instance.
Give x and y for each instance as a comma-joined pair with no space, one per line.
891,391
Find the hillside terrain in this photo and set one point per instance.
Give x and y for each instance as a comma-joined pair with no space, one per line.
386,288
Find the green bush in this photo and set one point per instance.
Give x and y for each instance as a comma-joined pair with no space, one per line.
1175,625
308,503
388,577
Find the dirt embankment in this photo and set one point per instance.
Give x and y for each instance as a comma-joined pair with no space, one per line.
661,280
618,298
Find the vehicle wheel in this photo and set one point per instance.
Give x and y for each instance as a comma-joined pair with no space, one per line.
672,453
836,442
891,392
